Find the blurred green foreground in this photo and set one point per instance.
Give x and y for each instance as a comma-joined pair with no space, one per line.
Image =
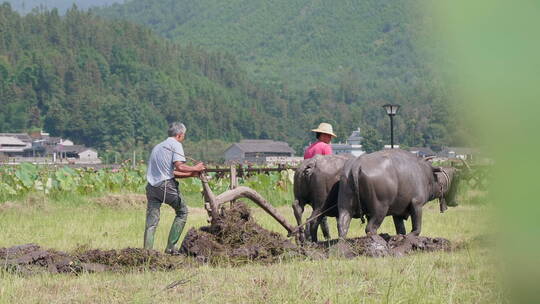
494,49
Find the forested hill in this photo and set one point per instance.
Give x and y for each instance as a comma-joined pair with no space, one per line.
115,85
25,6
298,42
343,59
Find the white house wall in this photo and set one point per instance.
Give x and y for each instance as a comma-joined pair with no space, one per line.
88,155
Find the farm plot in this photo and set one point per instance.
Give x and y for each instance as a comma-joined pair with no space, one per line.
77,225
86,218
236,239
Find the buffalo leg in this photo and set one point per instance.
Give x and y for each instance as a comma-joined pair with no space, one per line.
416,218
400,226
324,227
343,223
307,232
314,224
374,223
298,210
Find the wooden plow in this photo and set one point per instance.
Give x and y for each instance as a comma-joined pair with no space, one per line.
213,203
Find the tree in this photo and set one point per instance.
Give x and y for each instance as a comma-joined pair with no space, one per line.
372,140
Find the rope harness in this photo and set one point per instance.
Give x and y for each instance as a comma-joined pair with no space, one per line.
312,219
442,200
447,178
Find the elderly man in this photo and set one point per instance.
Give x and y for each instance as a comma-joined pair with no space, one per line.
166,163
324,134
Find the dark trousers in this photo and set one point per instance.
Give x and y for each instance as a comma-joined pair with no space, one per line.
167,193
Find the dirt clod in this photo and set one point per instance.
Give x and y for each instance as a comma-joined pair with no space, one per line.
236,237
397,245
378,246
32,258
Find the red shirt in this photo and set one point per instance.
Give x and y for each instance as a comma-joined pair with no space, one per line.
318,147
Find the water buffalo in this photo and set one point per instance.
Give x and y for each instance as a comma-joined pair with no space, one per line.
391,182
316,183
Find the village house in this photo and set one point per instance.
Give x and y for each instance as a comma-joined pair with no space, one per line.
422,151
11,146
21,136
351,146
40,147
459,152
257,151
77,154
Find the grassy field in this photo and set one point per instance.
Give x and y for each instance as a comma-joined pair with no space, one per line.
468,275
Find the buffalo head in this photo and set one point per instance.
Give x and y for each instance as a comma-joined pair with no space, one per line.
448,180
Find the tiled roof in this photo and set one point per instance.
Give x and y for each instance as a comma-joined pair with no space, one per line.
10,140
22,136
355,136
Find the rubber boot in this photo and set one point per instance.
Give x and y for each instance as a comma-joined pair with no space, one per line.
152,220
149,238
174,235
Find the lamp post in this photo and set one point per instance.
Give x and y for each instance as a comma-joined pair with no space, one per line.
391,110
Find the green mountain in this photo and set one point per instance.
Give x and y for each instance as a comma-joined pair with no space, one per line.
331,60
114,85
297,42
26,6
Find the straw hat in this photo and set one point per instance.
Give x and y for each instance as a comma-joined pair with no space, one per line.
325,128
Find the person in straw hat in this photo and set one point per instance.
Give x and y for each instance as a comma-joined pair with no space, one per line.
322,146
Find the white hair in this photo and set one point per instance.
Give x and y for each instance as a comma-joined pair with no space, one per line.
176,128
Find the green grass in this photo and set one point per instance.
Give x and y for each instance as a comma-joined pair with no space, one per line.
464,276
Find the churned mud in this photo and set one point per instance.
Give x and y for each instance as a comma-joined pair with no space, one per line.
381,245
32,259
235,239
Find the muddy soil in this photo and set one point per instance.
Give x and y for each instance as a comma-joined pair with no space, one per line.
381,245
238,238
32,259
235,239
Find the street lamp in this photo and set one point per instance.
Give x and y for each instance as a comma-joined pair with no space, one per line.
391,110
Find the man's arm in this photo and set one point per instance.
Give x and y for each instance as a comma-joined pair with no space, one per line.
181,170
178,174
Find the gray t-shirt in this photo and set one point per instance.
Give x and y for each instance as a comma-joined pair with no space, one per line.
161,162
